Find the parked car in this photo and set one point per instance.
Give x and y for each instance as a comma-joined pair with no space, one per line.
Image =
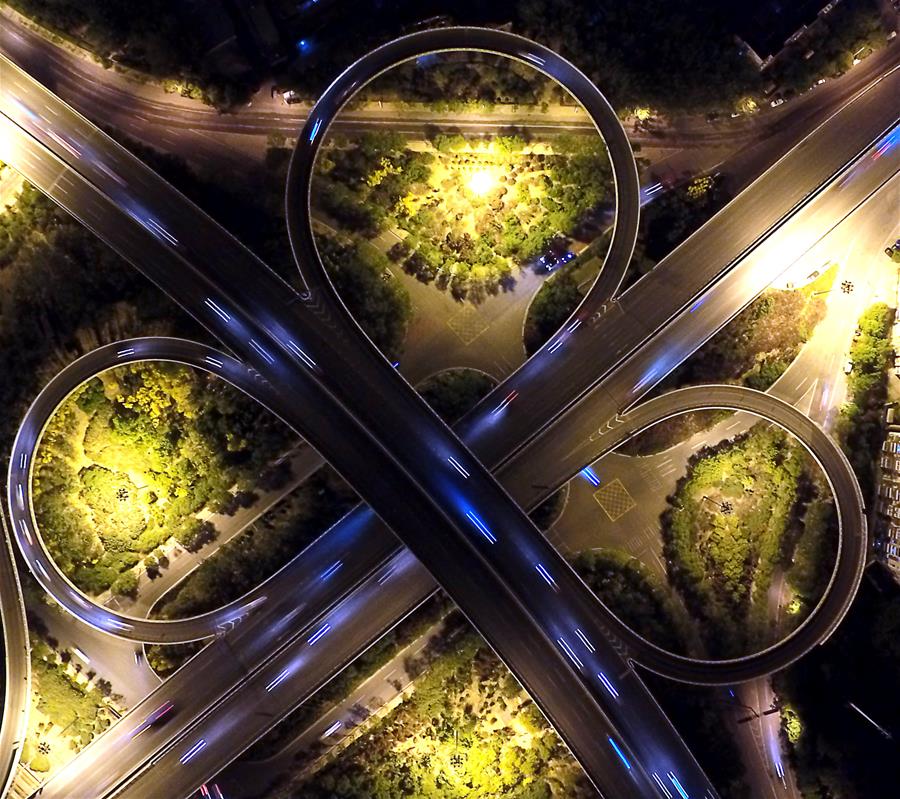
552,260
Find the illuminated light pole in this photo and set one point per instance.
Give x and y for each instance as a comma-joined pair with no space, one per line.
481,182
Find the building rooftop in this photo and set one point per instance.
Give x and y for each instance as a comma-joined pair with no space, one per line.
887,543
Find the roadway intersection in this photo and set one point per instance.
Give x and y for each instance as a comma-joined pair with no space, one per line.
246,318
569,339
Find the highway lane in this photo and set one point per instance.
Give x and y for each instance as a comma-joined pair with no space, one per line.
148,631
17,664
108,756
576,705
539,457
813,383
115,759
238,140
242,708
883,95
287,678
678,307
618,779
529,553
635,376
111,97
53,179
250,704
235,724
551,381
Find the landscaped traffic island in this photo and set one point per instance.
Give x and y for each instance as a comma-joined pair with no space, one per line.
465,729
468,211
128,461
737,516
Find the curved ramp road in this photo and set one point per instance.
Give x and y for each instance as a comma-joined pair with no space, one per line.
540,58
852,529
17,665
607,438
19,490
538,598
234,718
470,534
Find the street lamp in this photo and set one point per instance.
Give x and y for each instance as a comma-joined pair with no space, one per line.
481,182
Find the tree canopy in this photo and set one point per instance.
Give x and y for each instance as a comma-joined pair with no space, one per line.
727,527
130,457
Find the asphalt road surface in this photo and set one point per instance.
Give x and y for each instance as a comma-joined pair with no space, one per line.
253,319
851,552
516,406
